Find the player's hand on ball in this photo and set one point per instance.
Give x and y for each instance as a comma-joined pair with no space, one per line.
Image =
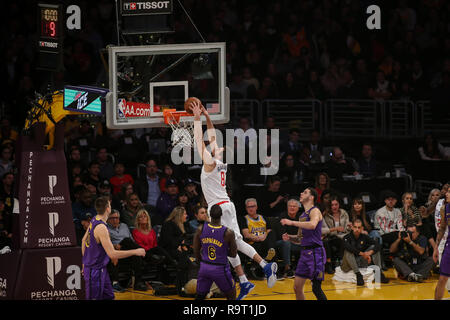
196,108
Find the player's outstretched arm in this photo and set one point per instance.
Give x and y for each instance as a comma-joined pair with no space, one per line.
210,130
198,136
310,225
101,232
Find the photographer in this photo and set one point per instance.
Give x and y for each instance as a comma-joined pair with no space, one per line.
411,259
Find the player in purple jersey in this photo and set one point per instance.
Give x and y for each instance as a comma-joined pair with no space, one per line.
97,249
444,267
213,243
311,264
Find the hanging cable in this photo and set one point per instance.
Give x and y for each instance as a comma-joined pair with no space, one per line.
190,19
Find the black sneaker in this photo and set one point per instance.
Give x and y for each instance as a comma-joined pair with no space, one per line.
289,274
383,278
359,279
418,277
280,276
328,268
118,288
140,286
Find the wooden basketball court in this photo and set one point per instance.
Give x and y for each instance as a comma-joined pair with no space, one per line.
396,289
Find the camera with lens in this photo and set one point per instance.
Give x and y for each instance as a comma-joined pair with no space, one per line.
403,234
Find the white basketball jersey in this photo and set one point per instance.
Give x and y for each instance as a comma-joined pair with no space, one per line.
214,184
437,219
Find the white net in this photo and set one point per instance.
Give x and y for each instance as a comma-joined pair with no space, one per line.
182,132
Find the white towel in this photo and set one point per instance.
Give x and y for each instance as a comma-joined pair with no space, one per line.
367,273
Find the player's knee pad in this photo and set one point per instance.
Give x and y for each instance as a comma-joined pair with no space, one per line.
317,290
235,261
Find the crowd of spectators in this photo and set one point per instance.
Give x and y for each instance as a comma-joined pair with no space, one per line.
159,205
280,49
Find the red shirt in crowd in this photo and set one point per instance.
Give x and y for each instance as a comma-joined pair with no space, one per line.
146,241
117,182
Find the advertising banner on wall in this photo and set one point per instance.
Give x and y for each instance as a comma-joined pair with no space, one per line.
45,214
9,265
50,274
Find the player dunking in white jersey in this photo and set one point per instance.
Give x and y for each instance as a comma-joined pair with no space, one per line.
213,181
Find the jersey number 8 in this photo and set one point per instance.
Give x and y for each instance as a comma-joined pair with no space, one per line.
222,178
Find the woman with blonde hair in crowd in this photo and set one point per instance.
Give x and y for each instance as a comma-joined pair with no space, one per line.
145,236
427,210
410,213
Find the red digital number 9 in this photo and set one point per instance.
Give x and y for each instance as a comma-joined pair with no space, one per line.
222,178
53,28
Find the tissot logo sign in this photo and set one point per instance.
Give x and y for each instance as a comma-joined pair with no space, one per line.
147,7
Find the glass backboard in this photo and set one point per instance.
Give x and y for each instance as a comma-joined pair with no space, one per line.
145,80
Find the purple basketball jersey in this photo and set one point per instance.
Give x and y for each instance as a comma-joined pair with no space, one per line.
95,260
214,248
311,237
214,265
311,264
95,256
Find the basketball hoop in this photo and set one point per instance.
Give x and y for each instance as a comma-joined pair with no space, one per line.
182,127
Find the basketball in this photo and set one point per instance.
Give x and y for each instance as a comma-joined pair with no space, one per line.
187,104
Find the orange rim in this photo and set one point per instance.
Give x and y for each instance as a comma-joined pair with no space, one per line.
172,115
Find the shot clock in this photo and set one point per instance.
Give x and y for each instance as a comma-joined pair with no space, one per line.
50,36
49,22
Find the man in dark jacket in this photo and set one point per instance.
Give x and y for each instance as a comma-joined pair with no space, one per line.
168,200
148,187
359,251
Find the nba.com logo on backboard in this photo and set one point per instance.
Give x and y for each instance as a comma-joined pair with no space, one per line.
121,108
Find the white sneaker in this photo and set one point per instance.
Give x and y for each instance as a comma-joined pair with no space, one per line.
270,270
5,250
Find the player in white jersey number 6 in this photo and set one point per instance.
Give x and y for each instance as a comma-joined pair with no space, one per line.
213,181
